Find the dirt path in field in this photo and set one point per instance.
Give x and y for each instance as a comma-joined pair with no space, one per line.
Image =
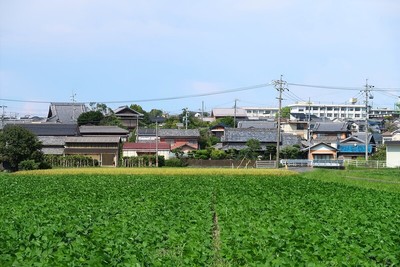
371,180
216,234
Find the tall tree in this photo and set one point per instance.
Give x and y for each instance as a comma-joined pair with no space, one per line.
91,117
18,144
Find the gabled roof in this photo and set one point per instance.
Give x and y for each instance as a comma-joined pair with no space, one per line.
257,124
147,132
52,140
51,129
323,144
146,146
338,127
243,135
86,130
93,139
125,111
228,112
361,136
185,144
65,112
179,133
353,140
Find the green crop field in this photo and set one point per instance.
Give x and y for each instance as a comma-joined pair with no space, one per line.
169,217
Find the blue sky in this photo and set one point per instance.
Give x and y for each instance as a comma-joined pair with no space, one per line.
121,51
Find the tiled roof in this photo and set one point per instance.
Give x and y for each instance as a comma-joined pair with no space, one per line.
228,112
52,140
178,133
243,135
102,130
144,146
257,124
65,112
51,129
338,127
183,144
127,111
147,131
93,139
237,138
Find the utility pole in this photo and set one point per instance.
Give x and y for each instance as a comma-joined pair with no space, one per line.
367,91
202,111
186,118
2,116
73,105
280,86
234,115
157,142
309,128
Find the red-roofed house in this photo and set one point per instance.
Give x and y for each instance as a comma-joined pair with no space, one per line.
139,149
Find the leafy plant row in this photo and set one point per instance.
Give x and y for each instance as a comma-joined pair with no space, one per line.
203,220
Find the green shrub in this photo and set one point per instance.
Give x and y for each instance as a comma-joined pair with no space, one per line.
27,165
175,162
218,154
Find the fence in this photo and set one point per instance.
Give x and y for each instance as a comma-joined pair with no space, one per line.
221,163
296,162
265,164
373,164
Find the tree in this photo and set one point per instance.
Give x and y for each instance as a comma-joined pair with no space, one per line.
227,121
285,112
380,153
111,120
100,107
17,144
252,150
155,113
217,154
290,152
207,139
138,108
91,117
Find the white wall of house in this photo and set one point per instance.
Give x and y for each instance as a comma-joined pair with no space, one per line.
133,153
393,155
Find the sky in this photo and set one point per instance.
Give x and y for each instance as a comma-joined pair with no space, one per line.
125,52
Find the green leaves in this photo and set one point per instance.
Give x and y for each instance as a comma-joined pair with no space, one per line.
150,220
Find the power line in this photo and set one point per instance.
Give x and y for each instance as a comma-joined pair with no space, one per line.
153,99
341,87
212,93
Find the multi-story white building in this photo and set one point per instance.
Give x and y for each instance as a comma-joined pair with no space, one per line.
381,112
330,111
260,112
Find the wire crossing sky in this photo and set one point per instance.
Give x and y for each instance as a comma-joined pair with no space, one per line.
172,54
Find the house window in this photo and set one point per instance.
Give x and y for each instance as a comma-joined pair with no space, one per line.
301,109
357,115
300,126
357,109
315,108
329,108
329,114
343,109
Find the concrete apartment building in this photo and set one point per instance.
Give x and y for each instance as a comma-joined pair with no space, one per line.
260,112
352,111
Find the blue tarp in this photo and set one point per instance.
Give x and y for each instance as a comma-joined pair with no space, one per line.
354,148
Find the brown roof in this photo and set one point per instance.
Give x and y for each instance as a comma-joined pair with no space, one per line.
150,146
